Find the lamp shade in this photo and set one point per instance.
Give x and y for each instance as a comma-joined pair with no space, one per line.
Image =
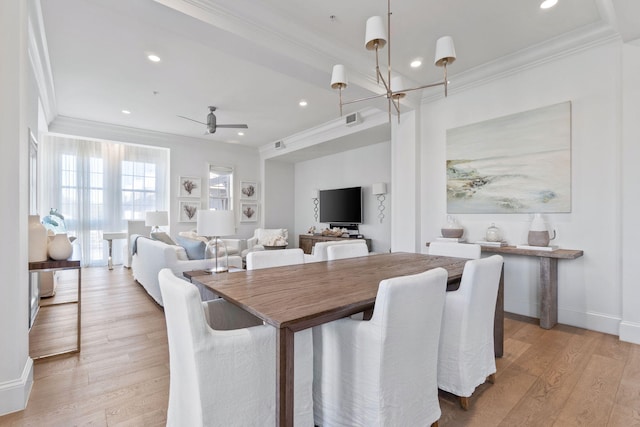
216,223
338,77
375,33
445,51
156,218
397,85
379,188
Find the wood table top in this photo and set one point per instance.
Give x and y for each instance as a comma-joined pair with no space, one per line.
305,295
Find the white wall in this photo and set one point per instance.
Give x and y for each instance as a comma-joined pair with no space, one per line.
188,157
360,167
278,200
16,104
590,293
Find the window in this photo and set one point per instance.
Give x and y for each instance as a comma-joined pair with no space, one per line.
220,188
99,185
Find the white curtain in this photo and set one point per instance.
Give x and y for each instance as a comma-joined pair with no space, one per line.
99,185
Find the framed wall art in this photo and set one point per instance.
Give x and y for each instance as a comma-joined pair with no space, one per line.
190,186
248,212
519,163
188,210
248,190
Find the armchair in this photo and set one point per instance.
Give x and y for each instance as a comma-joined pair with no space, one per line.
261,236
222,362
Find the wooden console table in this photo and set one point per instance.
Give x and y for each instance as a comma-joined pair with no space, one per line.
307,241
548,277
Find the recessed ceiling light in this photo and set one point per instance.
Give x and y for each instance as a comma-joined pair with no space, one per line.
154,58
416,63
240,133
546,4
302,103
126,112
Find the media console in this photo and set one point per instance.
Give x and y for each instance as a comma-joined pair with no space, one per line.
306,241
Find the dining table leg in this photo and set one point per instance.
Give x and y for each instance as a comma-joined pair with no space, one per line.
284,377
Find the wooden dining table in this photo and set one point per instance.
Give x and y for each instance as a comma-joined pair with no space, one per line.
298,297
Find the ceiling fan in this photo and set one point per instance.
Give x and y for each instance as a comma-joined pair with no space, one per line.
211,122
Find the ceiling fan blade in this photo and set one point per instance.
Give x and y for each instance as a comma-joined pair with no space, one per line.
233,126
197,121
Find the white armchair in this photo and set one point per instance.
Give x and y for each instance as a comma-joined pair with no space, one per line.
222,373
347,251
466,355
262,236
382,372
275,258
453,249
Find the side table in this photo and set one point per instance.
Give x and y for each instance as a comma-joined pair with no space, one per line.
110,237
51,265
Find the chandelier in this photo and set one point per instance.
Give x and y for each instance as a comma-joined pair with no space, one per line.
376,39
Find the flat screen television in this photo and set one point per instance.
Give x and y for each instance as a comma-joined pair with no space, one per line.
341,205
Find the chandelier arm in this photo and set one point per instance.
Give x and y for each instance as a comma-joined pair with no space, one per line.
353,101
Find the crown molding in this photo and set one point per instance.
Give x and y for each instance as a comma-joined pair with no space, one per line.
38,52
532,57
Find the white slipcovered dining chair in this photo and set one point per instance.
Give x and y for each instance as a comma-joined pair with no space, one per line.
466,356
274,258
347,251
453,249
382,372
222,362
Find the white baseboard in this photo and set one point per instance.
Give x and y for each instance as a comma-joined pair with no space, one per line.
630,332
599,322
14,394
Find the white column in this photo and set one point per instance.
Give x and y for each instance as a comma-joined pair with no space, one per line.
405,183
16,368
630,325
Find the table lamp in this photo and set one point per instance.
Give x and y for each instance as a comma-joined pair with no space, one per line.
155,219
214,224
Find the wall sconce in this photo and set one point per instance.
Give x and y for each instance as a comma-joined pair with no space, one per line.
315,195
380,189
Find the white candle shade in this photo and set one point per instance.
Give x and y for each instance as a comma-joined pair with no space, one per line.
445,50
375,33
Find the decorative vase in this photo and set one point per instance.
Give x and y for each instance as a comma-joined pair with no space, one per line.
37,240
60,247
452,229
538,233
493,234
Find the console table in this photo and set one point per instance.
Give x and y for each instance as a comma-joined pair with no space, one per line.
548,276
51,265
307,241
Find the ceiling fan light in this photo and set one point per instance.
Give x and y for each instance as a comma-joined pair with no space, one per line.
445,51
375,34
338,77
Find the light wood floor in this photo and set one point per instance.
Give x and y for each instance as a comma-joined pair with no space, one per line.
561,377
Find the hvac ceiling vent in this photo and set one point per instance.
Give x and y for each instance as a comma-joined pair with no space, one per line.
279,145
352,119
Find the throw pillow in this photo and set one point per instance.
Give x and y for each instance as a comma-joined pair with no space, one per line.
194,248
162,237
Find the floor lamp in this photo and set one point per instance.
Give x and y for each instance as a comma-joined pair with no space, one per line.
213,225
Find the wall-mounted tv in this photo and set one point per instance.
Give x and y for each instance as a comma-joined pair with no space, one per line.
342,205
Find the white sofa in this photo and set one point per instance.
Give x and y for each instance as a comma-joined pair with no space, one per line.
151,256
